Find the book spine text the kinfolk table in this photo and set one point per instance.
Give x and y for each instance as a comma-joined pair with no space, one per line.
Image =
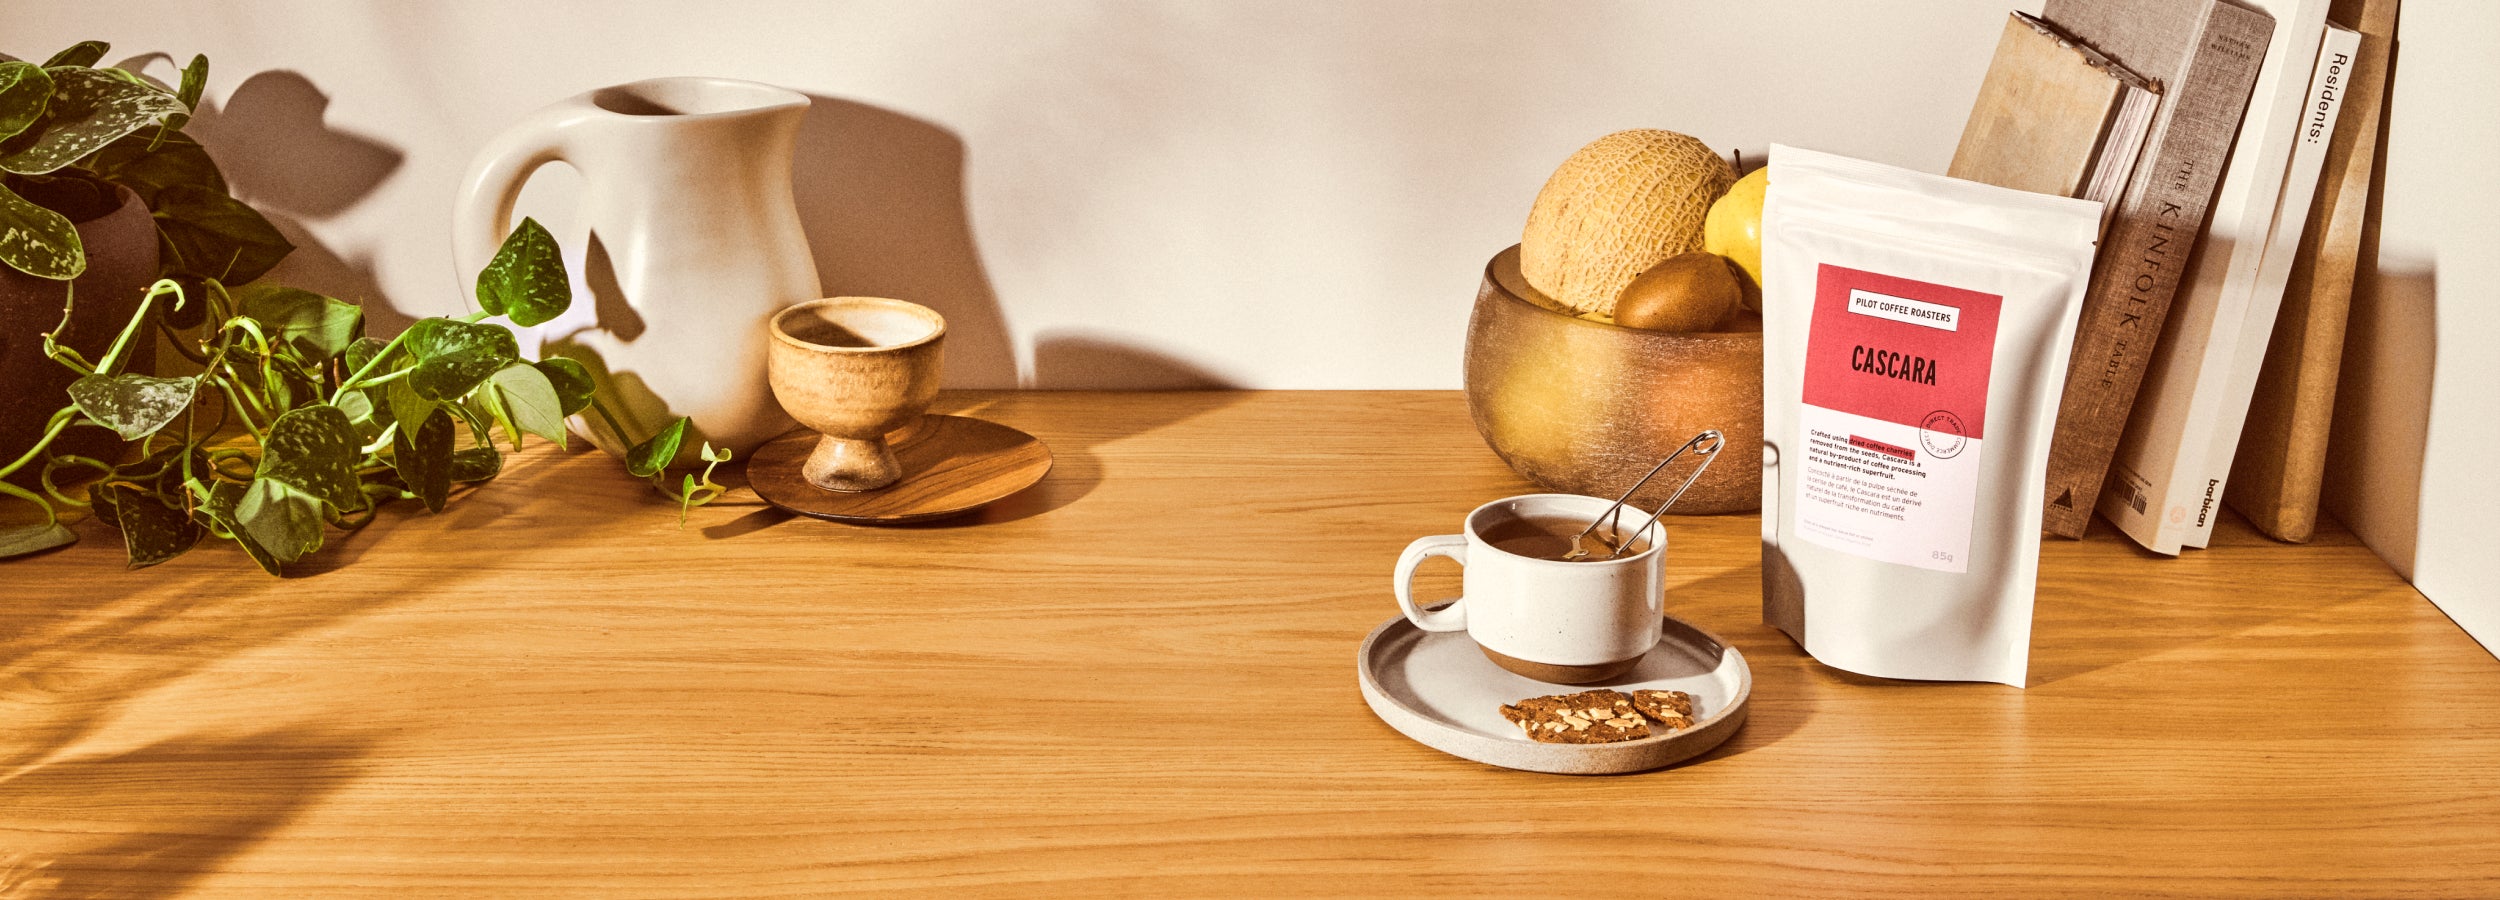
2207,54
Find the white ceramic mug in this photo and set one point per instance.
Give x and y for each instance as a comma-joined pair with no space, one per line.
1554,621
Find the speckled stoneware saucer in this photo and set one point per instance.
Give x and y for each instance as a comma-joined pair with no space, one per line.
1439,689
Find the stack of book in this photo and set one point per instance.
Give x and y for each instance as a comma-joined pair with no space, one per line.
2206,126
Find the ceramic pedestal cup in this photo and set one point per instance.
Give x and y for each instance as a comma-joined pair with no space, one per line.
855,369
1554,621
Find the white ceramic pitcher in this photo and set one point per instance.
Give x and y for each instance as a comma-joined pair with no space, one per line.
686,188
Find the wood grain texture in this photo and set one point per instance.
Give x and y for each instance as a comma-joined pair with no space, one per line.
951,464
1136,679
2041,111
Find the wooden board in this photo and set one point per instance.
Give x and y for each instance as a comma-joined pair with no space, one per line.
1136,679
2041,112
2281,462
951,465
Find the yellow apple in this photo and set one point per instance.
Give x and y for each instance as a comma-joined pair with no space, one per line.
1733,229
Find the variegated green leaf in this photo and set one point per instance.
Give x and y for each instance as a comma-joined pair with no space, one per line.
361,351
25,91
531,401
454,357
89,110
317,327
526,281
152,532
282,520
134,406
24,539
38,241
83,53
448,377
312,449
422,455
429,338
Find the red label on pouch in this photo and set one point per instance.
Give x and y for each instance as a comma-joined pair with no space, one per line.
1889,437
1900,350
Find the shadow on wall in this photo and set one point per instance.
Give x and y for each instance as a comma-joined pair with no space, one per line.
881,195
278,155
2378,441
1080,362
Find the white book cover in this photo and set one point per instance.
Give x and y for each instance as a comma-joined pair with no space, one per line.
2147,496
2314,131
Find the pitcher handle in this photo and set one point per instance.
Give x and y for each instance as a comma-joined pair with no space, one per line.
482,215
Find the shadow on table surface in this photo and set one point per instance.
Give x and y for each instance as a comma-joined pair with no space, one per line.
1776,708
149,822
2201,599
67,664
1076,468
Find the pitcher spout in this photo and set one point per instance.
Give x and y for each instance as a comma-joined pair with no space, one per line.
696,97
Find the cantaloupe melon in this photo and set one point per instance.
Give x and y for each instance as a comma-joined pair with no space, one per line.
1620,205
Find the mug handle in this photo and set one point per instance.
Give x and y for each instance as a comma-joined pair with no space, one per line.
1448,618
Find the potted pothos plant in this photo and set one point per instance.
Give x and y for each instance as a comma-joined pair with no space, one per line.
67,120
102,193
298,422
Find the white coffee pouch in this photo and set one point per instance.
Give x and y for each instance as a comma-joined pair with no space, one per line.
1915,335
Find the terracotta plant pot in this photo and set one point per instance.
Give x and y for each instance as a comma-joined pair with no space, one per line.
1587,407
121,263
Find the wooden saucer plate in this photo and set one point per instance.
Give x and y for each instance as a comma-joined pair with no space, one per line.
1438,688
951,465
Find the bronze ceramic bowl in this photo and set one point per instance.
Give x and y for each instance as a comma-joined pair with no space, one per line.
1587,407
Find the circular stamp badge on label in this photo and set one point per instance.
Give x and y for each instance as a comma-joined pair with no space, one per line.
1943,435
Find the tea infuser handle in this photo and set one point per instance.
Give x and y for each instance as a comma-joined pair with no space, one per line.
1448,618
1710,436
1708,455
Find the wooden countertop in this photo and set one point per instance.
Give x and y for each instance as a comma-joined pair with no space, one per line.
1136,679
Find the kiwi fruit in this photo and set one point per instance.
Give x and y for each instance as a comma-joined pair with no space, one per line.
1689,292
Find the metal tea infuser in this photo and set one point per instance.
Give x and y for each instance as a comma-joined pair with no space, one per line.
1580,550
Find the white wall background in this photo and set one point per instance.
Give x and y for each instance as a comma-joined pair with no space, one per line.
2417,415
1271,194
1119,194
